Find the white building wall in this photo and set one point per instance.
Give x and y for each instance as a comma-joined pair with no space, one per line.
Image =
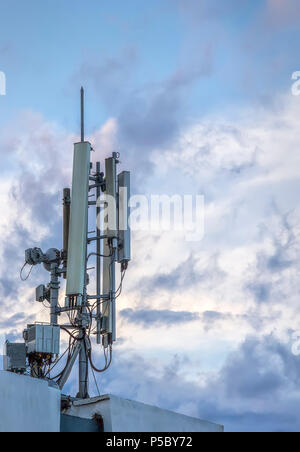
28,405
122,415
31,405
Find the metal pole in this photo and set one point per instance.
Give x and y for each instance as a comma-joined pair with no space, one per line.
66,224
83,358
82,113
83,370
83,354
54,289
98,260
68,369
113,294
114,259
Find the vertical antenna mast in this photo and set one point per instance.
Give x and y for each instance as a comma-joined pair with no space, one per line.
98,250
83,357
112,246
82,113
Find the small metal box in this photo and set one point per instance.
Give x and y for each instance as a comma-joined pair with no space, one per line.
43,339
40,293
14,357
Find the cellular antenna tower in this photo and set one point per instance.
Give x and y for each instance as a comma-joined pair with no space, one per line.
96,244
90,315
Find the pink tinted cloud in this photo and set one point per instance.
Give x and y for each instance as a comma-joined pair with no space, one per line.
283,13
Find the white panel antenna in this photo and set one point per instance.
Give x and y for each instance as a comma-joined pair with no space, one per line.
124,249
76,272
110,248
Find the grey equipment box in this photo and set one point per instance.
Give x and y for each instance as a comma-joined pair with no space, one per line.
14,357
43,339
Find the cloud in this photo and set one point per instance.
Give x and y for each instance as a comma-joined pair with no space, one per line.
189,273
150,114
151,117
255,375
284,255
105,140
261,291
148,318
276,264
283,13
257,389
110,75
201,10
210,318
17,320
260,37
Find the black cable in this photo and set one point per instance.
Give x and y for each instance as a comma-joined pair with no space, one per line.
60,374
21,271
87,367
69,349
97,255
106,364
95,380
121,284
70,334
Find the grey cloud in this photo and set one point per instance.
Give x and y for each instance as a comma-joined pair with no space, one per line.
282,14
14,321
12,256
185,275
257,320
283,257
280,259
283,244
261,291
254,318
32,191
8,288
150,317
151,116
210,318
109,76
38,189
256,390
250,373
265,47
201,10
35,200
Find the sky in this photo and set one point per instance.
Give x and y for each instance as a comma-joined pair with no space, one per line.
196,96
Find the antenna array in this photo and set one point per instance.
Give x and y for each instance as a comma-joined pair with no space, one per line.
88,314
